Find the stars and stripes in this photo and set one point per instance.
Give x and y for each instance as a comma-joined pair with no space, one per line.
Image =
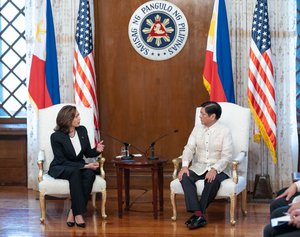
261,91
84,78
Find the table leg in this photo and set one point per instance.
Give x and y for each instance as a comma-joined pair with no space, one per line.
127,183
161,188
120,191
154,190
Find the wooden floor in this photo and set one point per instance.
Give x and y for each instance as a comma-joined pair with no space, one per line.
19,217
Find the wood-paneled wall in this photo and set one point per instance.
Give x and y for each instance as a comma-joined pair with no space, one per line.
141,99
13,154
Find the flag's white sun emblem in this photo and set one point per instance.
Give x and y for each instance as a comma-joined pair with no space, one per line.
158,30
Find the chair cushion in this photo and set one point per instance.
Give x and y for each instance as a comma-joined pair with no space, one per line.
227,188
51,186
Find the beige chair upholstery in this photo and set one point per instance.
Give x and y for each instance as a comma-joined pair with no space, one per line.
59,187
237,119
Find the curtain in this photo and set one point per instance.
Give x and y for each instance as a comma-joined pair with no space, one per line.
64,19
282,20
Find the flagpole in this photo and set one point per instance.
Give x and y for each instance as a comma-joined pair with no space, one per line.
262,184
262,151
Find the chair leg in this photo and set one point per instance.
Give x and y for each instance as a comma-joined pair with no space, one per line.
173,202
233,199
42,207
94,200
244,202
103,202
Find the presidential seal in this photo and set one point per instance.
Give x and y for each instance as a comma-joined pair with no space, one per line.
158,30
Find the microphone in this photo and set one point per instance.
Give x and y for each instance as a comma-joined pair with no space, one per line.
153,157
127,155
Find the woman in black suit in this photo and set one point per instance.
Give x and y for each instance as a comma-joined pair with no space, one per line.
70,142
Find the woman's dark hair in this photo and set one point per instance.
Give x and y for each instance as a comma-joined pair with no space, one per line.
64,118
212,107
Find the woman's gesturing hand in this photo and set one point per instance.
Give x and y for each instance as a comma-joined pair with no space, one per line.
100,146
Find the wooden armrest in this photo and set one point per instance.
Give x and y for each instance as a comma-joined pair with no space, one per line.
240,157
101,161
40,164
235,177
176,161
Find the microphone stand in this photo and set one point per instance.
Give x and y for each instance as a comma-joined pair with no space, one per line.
127,155
153,157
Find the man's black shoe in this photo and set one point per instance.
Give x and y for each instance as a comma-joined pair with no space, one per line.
189,221
197,222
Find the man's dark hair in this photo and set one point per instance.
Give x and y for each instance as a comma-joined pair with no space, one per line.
212,107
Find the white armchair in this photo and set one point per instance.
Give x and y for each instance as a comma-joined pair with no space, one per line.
237,119
59,187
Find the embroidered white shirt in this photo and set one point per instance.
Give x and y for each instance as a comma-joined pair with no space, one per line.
208,147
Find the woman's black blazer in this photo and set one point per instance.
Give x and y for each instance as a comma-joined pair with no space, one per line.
65,158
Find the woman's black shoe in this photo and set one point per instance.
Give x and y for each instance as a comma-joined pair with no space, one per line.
81,225
70,224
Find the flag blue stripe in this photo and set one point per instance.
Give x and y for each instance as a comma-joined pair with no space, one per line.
224,54
51,68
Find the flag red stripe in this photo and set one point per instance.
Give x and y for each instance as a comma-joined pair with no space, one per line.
268,61
259,112
90,66
37,87
85,80
211,75
80,93
263,118
262,94
261,71
84,77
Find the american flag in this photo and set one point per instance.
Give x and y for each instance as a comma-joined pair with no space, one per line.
84,78
261,92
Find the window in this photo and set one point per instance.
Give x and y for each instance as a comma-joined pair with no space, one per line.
13,90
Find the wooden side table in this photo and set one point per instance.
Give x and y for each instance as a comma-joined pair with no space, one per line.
123,167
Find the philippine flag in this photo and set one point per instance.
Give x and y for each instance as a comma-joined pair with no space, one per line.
217,75
43,82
